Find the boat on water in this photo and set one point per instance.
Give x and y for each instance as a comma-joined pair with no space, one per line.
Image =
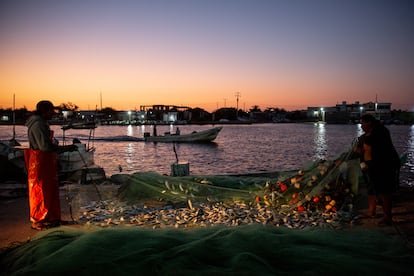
71,161
82,125
194,137
73,166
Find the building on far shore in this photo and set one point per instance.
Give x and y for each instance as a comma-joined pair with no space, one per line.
342,113
349,113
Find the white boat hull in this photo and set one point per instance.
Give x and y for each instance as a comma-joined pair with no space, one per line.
69,162
76,160
200,136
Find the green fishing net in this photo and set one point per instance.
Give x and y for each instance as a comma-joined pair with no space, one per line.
245,250
108,241
323,184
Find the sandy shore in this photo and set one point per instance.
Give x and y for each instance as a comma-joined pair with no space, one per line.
14,218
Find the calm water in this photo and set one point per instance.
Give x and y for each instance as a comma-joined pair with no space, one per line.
237,149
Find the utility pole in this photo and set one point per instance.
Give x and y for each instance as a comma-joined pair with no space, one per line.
238,95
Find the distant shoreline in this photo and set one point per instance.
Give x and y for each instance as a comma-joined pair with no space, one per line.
199,123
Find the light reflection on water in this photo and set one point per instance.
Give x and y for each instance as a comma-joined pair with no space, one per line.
320,141
407,175
237,149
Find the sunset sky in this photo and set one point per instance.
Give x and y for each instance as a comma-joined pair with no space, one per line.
200,53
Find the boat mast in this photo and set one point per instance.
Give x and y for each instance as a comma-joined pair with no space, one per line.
14,116
101,99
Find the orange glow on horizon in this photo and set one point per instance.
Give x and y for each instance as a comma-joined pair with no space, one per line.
201,55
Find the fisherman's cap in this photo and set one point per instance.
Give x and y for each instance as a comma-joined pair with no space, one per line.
45,105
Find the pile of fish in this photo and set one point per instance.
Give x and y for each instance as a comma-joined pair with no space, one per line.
319,195
116,213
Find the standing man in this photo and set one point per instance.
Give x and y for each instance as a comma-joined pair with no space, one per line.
41,163
381,164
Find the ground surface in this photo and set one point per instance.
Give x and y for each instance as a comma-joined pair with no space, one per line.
14,218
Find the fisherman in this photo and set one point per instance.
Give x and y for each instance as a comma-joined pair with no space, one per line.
380,164
42,168
177,131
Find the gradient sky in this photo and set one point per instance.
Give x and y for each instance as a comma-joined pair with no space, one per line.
288,54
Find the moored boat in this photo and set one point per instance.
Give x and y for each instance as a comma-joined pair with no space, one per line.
12,167
196,136
72,165
81,125
79,165
71,161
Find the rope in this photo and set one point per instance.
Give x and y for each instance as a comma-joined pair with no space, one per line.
403,235
69,201
175,151
93,182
